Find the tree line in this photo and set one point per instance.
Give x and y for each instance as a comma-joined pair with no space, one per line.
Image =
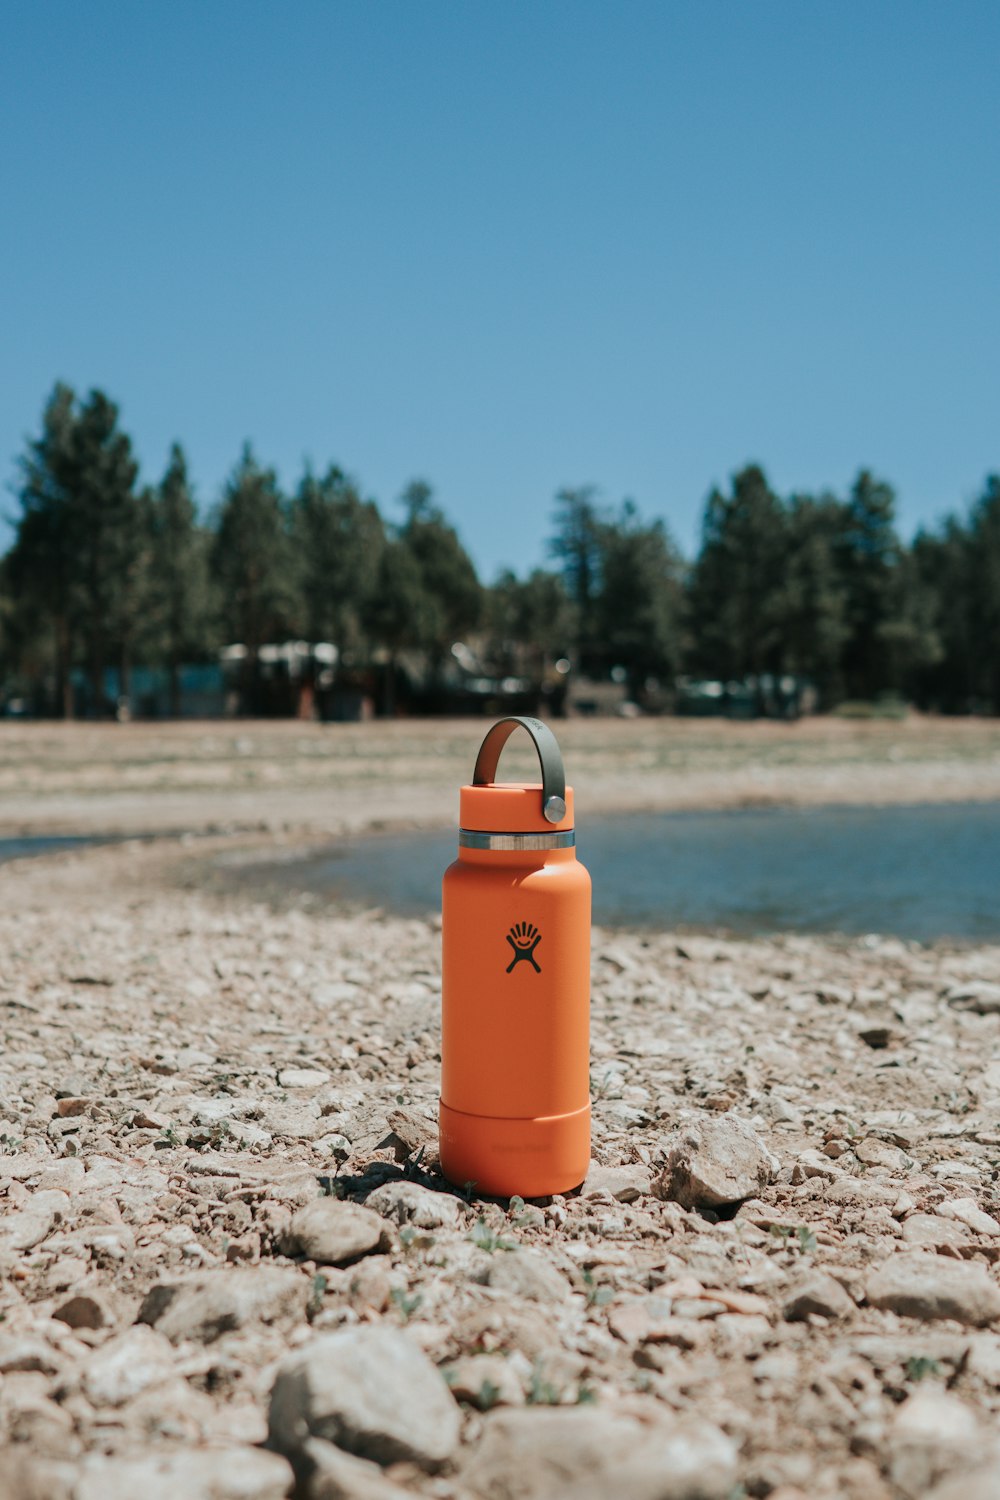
107,572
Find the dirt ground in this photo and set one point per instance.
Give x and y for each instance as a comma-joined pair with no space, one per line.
229,1269
138,778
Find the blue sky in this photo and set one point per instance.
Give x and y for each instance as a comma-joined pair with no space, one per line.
512,247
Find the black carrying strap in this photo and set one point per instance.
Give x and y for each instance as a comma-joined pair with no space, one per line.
549,757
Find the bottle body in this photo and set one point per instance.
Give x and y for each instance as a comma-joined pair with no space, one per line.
515,1046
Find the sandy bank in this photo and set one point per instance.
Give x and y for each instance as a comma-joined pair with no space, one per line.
327,779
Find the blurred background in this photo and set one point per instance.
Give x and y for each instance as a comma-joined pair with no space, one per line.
633,368
363,361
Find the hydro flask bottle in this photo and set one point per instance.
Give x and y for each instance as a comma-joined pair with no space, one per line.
515,1043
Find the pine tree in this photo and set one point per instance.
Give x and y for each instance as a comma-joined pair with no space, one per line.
814,608
251,564
179,590
736,594
338,541
576,545
454,596
869,556
78,557
638,610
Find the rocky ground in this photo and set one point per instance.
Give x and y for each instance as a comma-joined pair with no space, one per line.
229,1269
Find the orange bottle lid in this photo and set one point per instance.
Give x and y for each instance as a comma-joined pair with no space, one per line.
490,806
510,807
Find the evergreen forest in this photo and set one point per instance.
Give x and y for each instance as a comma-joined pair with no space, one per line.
106,575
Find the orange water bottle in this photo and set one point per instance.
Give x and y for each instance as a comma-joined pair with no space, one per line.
515,1043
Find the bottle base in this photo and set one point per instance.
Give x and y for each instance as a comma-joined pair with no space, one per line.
501,1157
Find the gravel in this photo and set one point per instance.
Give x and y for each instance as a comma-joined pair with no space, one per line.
780,1274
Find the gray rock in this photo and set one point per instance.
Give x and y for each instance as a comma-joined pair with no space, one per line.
932,1230
125,1366
85,1310
27,1227
814,1163
817,1295
409,1203
303,1078
194,1474
575,1454
209,1304
625,1183
26,1351
967,1211
335,1233
336,1475
488,1380
933,1434
415,1131
25,1477
979,996
918,1285
714,1162
370,1391
978,1484
527,1274
865,1190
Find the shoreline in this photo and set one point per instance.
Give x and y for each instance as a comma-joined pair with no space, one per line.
262,777
123,817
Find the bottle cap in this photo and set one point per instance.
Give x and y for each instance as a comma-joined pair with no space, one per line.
491,806
514,807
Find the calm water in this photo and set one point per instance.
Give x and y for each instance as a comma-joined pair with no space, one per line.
22,848
918,872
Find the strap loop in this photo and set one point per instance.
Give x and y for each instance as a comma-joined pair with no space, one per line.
549,758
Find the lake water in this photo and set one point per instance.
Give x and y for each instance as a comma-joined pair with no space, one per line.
924,872
24,847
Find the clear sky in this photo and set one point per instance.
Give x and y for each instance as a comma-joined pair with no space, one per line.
509,247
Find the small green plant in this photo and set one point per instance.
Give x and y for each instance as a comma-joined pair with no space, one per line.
489,1395
413,1168
485,1238
586,1395
597,1296
918,1366
468,1188
601,1087
319,1285
804,1239
407,1302
541,1392
412,1239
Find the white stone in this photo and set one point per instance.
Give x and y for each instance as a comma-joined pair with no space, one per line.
302,1078
968,1212
370,1391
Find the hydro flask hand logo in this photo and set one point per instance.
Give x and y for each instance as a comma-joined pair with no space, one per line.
524,939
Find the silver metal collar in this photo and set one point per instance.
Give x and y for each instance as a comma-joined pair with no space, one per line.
470,838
